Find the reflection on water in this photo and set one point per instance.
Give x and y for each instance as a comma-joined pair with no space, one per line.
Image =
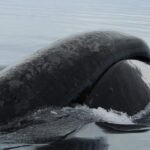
78,144
26,26
68,144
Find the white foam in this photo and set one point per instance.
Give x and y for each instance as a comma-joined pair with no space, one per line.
99,114
53,112
142,113
112,116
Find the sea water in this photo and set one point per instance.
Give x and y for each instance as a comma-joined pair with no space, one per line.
26,26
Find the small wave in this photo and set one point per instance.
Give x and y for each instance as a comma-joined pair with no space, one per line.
99,114
85,113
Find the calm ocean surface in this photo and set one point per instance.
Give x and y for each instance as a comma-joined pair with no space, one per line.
29,25
26,26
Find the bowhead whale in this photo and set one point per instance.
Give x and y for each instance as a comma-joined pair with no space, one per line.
67,72
101,69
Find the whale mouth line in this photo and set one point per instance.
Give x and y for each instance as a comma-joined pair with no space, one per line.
82,96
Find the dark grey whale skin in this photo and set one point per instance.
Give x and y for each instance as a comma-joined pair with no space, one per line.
59,74
122,88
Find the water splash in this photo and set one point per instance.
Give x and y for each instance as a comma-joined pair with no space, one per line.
99,114
143,113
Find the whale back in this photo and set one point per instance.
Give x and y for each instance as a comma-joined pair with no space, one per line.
65,72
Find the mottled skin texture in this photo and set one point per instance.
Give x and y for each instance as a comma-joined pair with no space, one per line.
58,74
